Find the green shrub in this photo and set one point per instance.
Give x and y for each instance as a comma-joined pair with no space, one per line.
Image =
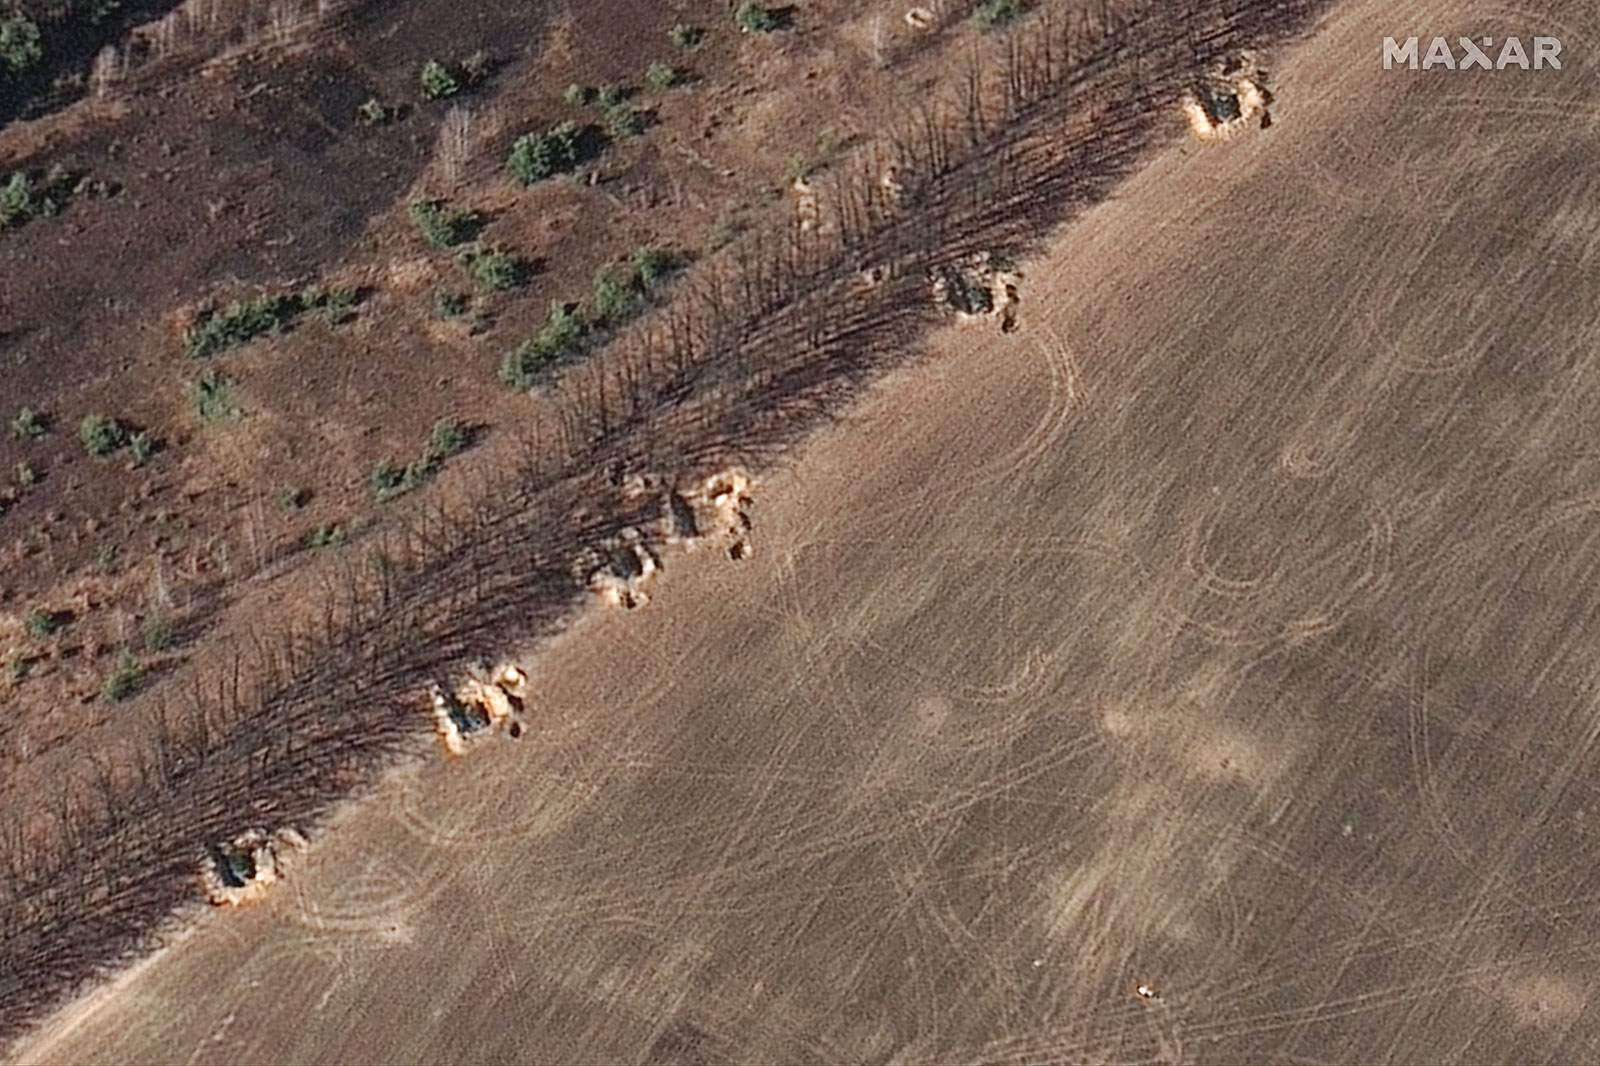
293,499
650,265
612,300
623,122
386,479
335,303
157,635
576,95
19,44
446,439
608,96
21,667
536,156
754,18
29,424
239,323
685,37
475,68
16,200
28,474
43,623
437,81
563,336
212,398
992,14
448,305
123,679
660,76
494,270
141,446
564,329
524,366
327,535
373,113
442,230
22,198
101,435
105,558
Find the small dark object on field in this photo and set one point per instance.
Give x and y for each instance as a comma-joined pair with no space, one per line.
236,867
1266,120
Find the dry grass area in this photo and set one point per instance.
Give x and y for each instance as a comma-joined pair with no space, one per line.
1208,678
252,172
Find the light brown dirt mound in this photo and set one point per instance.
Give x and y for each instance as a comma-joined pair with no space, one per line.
479,706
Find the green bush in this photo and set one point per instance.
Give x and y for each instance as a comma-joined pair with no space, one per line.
373,113
475,68
536,156
101,435
437,81
448,305
650,265
623,122
124,677
212,398
16,200
660,76
446,439
608,96
141,446
19,44
442,230
29,424
563,336
576,95
293,499
327,535
494,270
335,303
995,13
43,623
754,18
157,635
218,329
22,198
612,300
685,36
386,479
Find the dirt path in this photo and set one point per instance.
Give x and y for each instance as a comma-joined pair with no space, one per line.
1203,672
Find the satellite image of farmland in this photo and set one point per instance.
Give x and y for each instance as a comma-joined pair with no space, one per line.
820,532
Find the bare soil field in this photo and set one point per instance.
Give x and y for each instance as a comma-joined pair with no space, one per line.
1203,672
